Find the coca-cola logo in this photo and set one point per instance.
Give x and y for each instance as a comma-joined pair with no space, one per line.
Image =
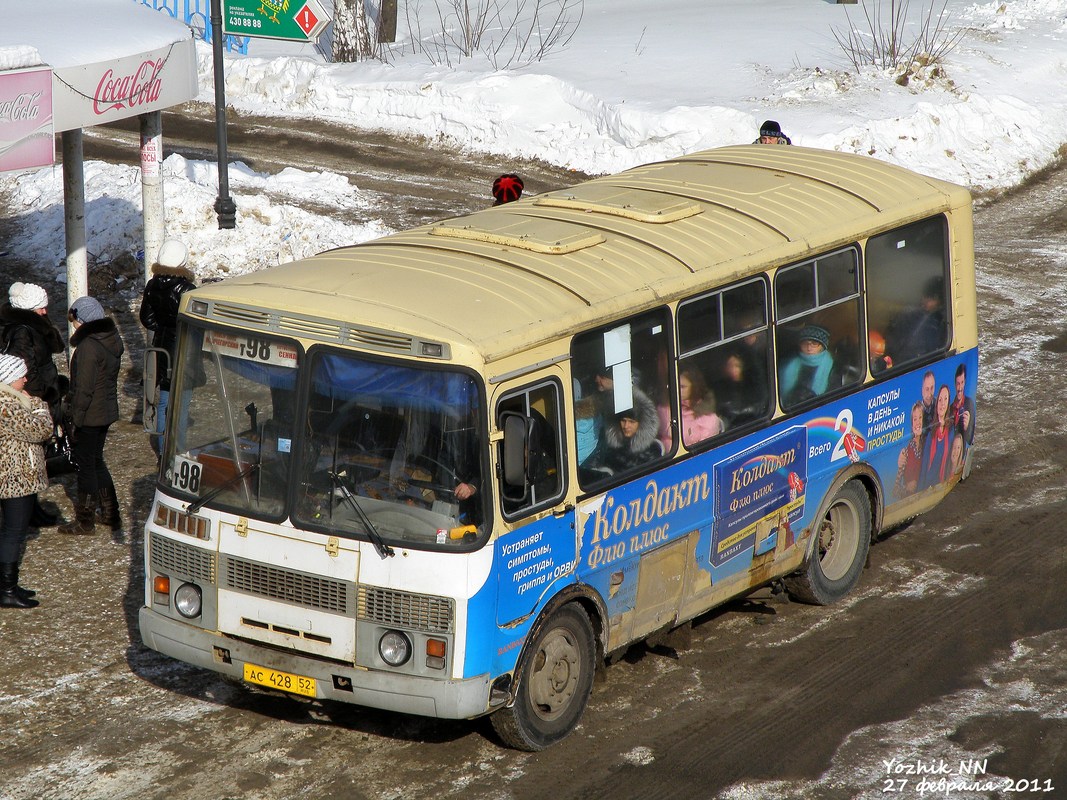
141,86
23,108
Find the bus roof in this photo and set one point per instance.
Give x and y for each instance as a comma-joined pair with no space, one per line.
507,278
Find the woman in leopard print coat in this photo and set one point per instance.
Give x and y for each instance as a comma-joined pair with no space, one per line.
24,425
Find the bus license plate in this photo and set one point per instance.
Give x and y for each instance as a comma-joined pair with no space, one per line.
274,679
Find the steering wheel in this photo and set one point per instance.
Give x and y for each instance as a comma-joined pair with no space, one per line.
448,471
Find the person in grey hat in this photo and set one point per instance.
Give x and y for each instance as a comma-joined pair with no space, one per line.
24,424
94,406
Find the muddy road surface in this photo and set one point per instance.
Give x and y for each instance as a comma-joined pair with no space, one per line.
416,180
951,655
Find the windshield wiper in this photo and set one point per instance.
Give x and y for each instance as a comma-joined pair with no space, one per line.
384,550
207,498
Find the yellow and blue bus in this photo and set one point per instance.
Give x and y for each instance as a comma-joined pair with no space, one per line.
454,471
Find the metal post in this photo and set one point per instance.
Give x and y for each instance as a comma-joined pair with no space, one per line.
74,215
152,187
224,205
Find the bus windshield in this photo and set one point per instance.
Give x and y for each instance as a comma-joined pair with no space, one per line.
391,447
232,426
387,451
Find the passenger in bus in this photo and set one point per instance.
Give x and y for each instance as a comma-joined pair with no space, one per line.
697,403
910,460
936,461
807,374
919,331
739,397
587,427
770,132
880,362
963,407
631,438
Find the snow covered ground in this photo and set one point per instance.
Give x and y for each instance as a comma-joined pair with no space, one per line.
637,82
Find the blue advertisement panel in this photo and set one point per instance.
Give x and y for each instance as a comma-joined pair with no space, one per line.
750,497
765,482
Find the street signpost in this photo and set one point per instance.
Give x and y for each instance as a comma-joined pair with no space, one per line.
292,20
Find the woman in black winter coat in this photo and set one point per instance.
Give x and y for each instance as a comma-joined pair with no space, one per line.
94,406
171,278
632,438
28,334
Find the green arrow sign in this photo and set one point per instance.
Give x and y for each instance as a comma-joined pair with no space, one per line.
293,20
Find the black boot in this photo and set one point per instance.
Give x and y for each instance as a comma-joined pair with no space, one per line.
10,596
84,516
41,517
109,509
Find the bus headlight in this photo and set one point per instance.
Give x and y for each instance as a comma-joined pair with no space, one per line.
187,600
394,648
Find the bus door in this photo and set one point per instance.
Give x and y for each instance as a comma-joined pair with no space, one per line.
541,551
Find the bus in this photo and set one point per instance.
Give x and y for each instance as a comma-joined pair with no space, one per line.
454,471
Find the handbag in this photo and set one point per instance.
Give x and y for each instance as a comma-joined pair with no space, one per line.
59,460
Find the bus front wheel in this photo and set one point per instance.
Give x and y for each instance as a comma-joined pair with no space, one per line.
555,681
843,540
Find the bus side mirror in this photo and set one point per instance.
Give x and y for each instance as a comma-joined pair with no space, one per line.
518,431
156,365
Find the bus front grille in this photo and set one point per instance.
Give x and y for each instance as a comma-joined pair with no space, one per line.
170,557
405,610
286,585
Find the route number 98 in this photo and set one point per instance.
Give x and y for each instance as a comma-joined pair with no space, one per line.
186,475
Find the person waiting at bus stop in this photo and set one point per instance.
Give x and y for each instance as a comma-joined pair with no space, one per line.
28,334
94,406
24,425
171,278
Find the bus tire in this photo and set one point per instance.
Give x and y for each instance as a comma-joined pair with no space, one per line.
555,681
843,540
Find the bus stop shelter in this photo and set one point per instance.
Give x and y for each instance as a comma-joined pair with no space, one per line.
66,65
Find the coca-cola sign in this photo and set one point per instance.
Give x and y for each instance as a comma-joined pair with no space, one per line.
27,140
106,91
140,88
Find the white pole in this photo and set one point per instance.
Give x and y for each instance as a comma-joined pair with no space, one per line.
74,215
152,187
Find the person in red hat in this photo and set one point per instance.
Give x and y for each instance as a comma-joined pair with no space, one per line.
507,188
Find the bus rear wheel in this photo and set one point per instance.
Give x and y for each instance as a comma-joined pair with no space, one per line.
843,541
555,681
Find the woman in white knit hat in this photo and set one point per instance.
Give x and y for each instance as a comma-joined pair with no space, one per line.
24,425
29,334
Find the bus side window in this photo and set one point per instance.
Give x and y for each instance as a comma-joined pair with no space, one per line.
544,472
723,355
818,343
907,299
623,396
